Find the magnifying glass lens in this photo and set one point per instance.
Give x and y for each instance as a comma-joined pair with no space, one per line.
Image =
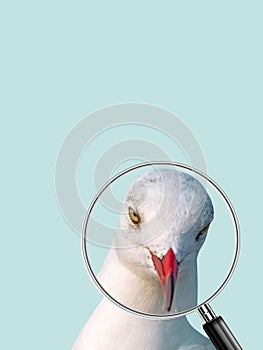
160,240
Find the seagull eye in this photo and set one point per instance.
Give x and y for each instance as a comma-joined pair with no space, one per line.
134,216
202,232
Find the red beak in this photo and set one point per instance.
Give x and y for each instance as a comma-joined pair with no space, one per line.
167,270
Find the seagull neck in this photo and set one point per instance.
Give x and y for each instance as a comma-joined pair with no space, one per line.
185,296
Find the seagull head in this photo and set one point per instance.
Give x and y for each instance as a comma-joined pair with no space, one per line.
163,224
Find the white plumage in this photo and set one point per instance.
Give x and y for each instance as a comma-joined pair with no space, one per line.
171,212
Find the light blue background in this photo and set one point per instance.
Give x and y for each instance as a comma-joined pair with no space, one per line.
62,60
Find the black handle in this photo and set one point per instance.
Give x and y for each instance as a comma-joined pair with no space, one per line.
221,336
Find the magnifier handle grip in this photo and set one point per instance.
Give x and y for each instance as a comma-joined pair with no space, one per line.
221,336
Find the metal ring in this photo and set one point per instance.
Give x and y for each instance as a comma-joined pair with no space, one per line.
88,265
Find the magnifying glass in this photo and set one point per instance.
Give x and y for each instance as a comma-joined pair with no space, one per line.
161,240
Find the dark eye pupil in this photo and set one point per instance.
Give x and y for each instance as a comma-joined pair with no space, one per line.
198,236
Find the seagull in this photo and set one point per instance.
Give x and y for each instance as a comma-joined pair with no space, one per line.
152,267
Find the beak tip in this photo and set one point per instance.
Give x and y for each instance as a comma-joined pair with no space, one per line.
169,291
169,307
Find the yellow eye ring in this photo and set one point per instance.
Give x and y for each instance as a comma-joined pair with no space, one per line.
134,216
202,232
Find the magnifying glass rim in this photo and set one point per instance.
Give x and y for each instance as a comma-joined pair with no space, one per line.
88,265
